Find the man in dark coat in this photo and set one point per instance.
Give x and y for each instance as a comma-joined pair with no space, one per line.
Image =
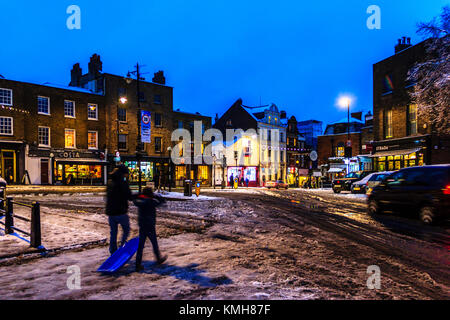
118,194
231,181
147,203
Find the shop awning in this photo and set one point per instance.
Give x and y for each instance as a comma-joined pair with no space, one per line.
335,170
394,152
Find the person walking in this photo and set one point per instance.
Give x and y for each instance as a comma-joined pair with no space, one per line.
247,182
147,203
118,194
231,181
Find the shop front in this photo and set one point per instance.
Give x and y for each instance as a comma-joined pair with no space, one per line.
244,173
79,172
401,153
66,167
10,156
292,176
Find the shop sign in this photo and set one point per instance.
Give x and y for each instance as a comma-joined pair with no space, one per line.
69,154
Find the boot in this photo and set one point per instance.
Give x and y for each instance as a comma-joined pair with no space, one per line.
161,259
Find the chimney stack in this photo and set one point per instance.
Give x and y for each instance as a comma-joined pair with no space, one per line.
95,65
159,78
403,43
75,75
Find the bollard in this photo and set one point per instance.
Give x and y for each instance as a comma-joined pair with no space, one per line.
9,220
35,238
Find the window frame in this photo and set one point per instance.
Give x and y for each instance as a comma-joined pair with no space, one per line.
74,138
12,97
96,111
388,124
96,140
48,106
74,109
49,137
160,120
409,121
160,145
12,126
126,141
126,118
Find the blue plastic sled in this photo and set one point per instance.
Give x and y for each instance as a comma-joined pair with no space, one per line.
118,259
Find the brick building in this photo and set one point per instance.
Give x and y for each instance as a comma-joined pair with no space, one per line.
401,138
298,161
332,144
51,134
121,102
262,158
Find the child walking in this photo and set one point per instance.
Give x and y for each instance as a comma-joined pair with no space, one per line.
147,203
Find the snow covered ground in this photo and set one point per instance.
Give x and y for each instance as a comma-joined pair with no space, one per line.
240,244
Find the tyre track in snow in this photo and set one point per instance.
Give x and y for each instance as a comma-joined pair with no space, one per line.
429,261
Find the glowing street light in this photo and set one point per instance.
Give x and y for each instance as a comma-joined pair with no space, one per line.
123,100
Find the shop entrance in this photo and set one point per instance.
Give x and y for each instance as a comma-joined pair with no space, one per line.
8,165
44,171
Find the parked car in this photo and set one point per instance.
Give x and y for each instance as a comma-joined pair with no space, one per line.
376,179
368,182
418,190
279,184
345,184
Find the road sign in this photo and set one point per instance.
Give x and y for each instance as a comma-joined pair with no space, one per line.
349,143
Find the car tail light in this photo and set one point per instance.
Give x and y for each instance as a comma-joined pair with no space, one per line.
447,189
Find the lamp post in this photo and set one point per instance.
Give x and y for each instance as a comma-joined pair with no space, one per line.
169,149
344,102
224,163
214,171
139,147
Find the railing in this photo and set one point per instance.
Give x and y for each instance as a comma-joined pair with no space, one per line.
7,209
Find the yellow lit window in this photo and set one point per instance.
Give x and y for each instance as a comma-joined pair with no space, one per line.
69,135
92,139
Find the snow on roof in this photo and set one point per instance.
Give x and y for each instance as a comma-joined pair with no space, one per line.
57,86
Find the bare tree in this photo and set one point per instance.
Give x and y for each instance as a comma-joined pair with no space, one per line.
432,76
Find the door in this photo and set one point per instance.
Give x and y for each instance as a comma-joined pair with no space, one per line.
8,166
44,171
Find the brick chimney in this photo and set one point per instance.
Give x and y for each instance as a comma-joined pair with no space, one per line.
95,65
403,43
75,75
159,77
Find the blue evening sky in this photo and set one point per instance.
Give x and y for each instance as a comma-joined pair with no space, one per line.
300,55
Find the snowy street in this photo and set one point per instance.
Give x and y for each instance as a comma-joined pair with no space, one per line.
235,244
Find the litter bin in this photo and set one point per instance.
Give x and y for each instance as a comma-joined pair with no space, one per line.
187,188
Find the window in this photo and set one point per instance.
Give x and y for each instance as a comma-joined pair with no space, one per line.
158,120
122,144
6,96
281,137
180,124
388,124
412,119
141,96
269,135
44,136
92,140
6,125
70,137
122,114
157,99
92,111
158,144
43,105
69,108
340,151
282,156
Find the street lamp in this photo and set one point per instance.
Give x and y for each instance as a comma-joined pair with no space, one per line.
214,171
344,102
169,149
139,147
